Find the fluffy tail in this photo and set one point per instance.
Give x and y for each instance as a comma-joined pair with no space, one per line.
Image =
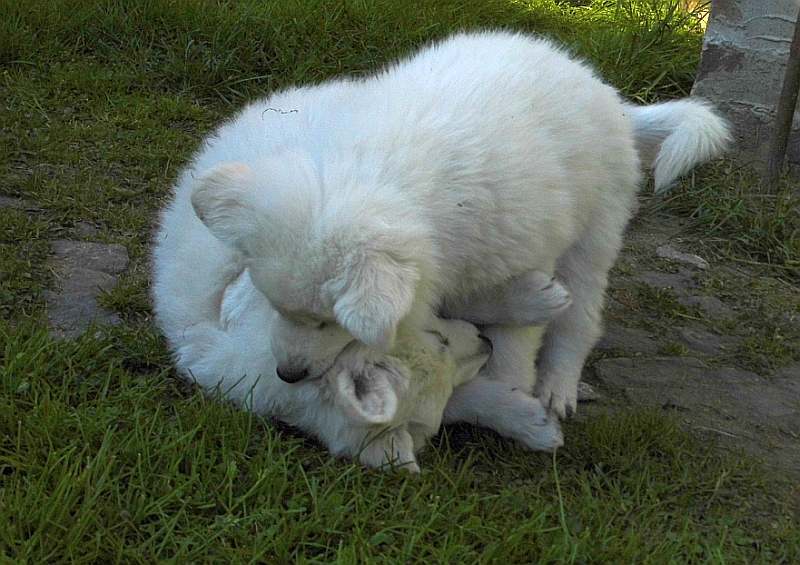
675,136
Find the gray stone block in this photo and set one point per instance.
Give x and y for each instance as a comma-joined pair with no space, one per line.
742,66
83,270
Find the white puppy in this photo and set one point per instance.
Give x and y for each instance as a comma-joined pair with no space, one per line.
362,204
378,408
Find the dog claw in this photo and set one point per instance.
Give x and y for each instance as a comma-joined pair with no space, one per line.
558,400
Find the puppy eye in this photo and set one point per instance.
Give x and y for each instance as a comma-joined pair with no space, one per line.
322,325
440,336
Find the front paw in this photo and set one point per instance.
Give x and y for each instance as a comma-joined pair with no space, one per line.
558,395
536,298
390,449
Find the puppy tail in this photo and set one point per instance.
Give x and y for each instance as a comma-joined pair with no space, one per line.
673,137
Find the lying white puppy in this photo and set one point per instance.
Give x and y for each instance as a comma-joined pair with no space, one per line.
360,205
378,408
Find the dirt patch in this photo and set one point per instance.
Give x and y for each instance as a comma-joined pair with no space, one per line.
715,344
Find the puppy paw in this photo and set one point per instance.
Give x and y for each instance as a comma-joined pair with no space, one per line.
390,449
532,425
558,395
546,437
536,298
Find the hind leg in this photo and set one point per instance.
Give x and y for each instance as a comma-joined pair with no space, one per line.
513,359
507,410
500,399
570,337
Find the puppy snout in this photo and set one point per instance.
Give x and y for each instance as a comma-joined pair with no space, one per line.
291,375
486,345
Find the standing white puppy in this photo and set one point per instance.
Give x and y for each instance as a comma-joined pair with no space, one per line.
358,205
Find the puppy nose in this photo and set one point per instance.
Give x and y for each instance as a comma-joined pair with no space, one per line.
291,375
487,346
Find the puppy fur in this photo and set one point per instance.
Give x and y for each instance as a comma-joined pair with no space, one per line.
360,206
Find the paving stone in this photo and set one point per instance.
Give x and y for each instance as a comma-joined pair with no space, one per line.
72,308
85,229
681,282
682,382
731,404
669,252
630,340
730,409
625,371
788,380
18,204
107,258
82,270
792,373
709,305
706,342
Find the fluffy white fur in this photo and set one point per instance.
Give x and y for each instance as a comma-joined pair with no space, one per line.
378,408
367,407
362,206
675,136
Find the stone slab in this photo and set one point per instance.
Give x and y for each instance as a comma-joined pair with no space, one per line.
83,270
742,65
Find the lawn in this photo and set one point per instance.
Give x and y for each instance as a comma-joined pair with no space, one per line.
107,457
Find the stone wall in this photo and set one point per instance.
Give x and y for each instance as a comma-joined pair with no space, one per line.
743,62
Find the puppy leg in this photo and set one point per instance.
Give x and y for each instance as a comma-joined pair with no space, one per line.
570,337
507,410
532,298
513,359
499,397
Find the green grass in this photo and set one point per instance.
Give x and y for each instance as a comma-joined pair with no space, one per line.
105,456
674,349
740,220
105,459
768,324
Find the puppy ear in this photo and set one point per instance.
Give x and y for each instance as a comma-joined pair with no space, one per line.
222,200
370,394
378,293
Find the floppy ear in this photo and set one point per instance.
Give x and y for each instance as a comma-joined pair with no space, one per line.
369,394
222,200
378,293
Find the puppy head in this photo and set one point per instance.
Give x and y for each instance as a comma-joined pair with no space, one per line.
388,394
446,354
324,309
325,265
